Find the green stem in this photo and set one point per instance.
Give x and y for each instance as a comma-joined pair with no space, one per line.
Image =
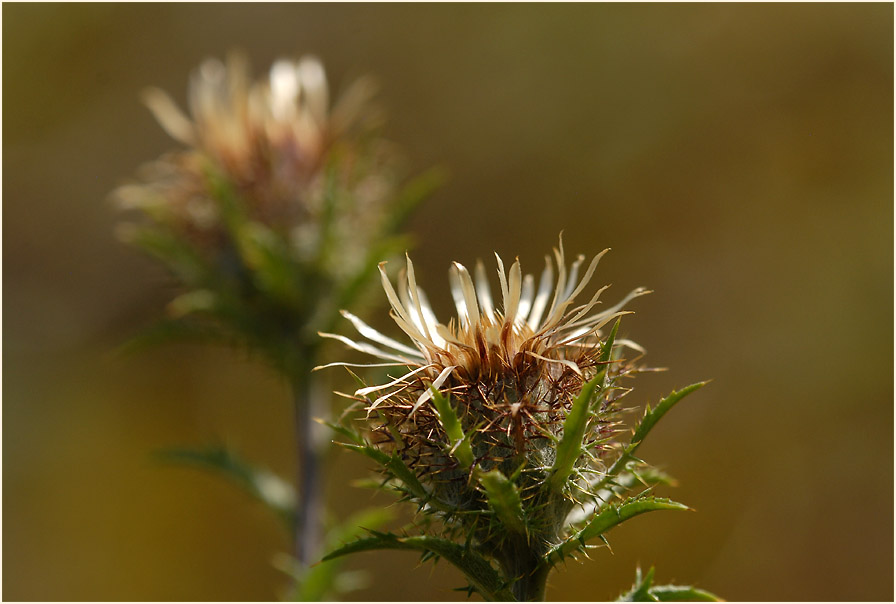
520,562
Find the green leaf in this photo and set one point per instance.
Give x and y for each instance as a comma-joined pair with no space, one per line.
478,571
504,499
640,591
348,433
323,581
611,517
680,593
570,447
397,468
650,419
168,330
644,591
262,484
616,515
196,300
460,442
173,251
607,350
269,259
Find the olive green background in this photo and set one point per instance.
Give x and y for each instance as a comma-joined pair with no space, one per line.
737,158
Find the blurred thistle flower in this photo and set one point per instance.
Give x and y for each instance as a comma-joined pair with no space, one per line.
272,219
291,197
504,426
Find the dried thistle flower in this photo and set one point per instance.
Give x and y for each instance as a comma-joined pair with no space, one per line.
503,429
279,195
270,139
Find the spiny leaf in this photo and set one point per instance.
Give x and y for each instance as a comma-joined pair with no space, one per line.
477,569
644,591
635,476
394,465
168,330
570,446
177,255
618,514
346,432
651,417
504,499
322,581
679,593
262,484
460,442
640,591
611,517
607,349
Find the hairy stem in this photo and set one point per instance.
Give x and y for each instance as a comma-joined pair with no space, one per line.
309,512
524,566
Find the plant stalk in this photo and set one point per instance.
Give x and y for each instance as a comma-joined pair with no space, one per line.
309,512
519,561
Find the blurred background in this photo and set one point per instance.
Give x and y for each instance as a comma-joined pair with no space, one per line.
737,158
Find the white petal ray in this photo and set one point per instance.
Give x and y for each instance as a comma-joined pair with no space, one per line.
397,306
422,341
170,117
573,277
449,337
437,383
566,362
367,348
544,291
513,287
503,280
341,364
415,297
390,291
371,334
386,396
561,282
484,291
579,334
639,291
407,303
314,87
431,320
599,316
587,307
588,274
633,345
469,293
400,380
457,292
526,297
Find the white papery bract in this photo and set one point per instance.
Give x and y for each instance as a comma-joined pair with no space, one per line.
538,329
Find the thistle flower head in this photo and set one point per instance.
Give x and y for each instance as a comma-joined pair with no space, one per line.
271,136
503,427
510,374
292,159
275,213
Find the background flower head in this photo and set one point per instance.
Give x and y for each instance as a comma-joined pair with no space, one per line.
275,211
